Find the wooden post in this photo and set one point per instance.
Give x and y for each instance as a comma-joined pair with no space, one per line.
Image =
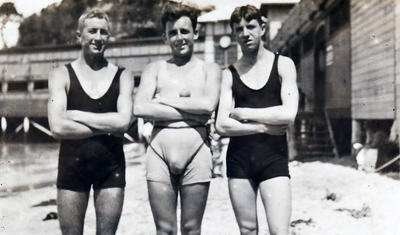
31,85
209,51
3,124
4,84
356,133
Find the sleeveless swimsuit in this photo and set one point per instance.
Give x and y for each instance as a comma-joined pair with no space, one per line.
97,160
258,156
198,167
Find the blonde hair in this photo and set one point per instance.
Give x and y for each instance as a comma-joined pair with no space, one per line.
93,13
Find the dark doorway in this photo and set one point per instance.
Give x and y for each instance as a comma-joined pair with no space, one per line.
319,70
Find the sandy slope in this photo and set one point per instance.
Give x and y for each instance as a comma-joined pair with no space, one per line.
311,183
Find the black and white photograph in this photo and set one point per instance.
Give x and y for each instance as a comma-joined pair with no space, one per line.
189,117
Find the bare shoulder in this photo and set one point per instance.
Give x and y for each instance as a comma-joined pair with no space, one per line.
153,66
127,79
286,68
126,73
227,77
112,66
211,66
285,62
59,75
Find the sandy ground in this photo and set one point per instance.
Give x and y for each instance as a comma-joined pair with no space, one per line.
327,199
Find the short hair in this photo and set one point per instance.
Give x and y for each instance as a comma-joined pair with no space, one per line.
92,13
248,12
172,11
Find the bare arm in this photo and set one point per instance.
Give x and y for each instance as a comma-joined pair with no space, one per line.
146,107
60,125
228,126
281,114
204,104
111,122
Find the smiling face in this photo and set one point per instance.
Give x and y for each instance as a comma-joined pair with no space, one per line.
248,34
94,35
180,35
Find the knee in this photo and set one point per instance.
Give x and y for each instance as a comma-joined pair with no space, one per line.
165,227
191,228
279,231
69,230
106,229
248,228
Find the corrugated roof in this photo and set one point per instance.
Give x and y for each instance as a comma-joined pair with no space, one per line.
224,13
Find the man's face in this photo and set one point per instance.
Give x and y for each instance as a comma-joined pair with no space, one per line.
94,35
180,36
248,34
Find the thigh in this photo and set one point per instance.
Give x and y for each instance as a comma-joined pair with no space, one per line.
163,203
199,170
71,206
193,203
243,194
108,204
156,167
110,176
73,174
276,196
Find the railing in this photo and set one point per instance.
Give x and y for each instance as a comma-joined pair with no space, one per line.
331,135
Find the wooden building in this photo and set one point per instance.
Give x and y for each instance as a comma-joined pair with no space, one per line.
346,53
219,45
24,71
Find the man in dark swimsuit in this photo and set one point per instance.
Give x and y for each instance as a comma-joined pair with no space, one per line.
179,95
89,108
259,98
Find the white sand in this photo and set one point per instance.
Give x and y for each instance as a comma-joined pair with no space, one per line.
311,182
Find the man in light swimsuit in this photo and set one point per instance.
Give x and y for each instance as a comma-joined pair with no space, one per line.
179,95
259,98
89,108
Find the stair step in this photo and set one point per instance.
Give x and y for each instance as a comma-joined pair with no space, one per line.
315,147
312,133
315,154
311,140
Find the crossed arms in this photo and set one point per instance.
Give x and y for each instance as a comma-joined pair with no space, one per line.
272,120
196,108
75,124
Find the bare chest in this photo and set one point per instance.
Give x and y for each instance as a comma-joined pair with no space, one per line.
174,82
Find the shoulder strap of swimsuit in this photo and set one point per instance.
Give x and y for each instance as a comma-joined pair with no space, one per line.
274,71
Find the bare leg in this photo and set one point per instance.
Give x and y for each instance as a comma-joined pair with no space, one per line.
243,194
71,208
108,205
276,196
193,202
163,202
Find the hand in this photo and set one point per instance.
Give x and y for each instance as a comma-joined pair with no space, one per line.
147,131
275,129
237,114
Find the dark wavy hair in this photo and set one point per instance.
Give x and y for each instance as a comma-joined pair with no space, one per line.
173,11
248,12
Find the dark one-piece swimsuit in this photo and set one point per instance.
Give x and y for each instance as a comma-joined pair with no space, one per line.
98,160
257,157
